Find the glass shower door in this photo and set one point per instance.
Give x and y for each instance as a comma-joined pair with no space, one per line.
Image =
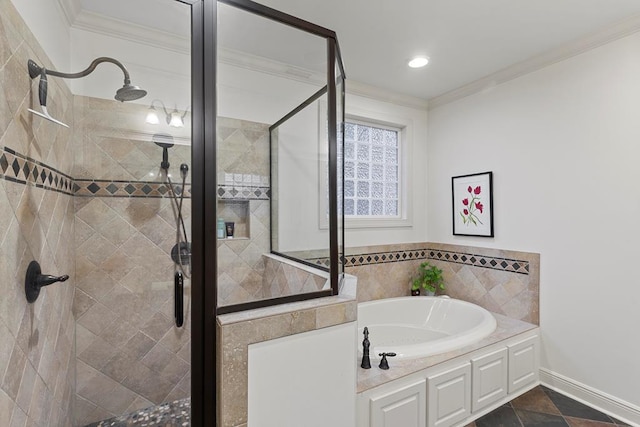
133,216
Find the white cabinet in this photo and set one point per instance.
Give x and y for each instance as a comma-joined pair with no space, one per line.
457,391
489,373
449,396
404,407
523,363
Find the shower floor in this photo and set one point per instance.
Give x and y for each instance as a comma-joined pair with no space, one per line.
172,414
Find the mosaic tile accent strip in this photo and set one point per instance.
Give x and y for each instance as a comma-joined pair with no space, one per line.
22,169
494,263
122,188
244,193
171,414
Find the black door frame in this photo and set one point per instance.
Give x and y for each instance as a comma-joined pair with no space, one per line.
203,200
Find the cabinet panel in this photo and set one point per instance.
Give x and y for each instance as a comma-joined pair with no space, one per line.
523,363
449,396
489,379
405,407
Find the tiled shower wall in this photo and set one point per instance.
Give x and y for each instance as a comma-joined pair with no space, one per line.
505,282
36,223
243,170
129,353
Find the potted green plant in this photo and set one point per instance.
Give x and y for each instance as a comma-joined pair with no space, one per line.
429,278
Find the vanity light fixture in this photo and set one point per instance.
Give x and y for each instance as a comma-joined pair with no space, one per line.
418,62
174,119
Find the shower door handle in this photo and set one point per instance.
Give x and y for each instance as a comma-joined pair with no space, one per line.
178,283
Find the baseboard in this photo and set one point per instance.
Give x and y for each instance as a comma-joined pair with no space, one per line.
617,408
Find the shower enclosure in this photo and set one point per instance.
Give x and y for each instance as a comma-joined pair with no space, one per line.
239,102
133,214
280,93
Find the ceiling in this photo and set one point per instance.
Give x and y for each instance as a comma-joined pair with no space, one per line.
466,40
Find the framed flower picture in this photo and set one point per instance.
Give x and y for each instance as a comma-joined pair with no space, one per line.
473,204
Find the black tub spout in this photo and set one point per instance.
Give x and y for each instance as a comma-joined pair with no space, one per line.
366,362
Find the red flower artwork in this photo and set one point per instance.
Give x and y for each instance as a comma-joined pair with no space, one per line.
470,216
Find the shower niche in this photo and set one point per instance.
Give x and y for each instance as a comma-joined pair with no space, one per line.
280,97
235,212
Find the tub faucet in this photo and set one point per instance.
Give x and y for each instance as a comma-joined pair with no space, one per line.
366,362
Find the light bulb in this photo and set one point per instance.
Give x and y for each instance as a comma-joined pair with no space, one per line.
152,117
418,62
176,120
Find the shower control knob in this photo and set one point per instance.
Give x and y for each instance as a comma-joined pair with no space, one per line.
35,280
384,363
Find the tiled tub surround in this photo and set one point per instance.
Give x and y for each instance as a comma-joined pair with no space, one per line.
36,222
237,331
503,282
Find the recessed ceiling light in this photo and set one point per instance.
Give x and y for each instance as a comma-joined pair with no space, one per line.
418,62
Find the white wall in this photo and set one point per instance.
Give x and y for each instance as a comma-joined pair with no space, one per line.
46,21
564,146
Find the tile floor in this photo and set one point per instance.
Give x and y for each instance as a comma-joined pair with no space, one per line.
543,407
173,414
540,407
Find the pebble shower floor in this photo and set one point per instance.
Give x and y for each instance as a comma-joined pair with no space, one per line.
172,414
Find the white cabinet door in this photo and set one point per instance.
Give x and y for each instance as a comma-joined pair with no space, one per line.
405,407
523,363
449,396
489,379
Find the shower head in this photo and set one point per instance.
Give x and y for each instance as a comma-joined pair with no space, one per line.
165,141
127,92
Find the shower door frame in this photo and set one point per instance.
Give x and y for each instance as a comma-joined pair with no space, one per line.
336,225
203,201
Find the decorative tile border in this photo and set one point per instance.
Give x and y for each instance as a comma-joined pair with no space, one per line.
494,263
121,188
22,169
244,192
484,261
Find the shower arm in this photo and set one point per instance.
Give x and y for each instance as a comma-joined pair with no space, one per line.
35,70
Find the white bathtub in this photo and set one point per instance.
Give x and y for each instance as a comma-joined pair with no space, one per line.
415,327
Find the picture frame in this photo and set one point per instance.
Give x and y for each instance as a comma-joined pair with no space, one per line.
472,204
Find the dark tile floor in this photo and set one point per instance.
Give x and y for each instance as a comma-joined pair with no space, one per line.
543,407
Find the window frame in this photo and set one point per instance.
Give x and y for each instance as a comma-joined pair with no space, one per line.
404,126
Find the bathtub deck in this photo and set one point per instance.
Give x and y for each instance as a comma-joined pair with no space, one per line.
370,378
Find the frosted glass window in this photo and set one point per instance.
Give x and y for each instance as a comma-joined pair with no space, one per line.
371,170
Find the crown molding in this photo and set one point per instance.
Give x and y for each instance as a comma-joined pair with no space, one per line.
71,9
112,27
106,25
368,91
617,31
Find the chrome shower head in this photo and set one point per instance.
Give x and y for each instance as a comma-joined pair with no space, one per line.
129,92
